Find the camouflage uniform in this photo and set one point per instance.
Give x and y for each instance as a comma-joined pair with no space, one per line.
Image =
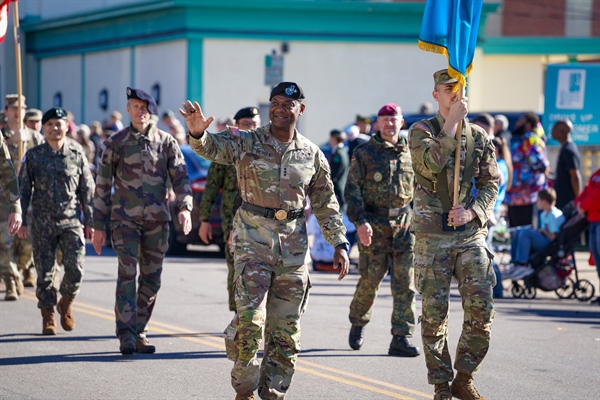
140,165
271,279
62,187
441,255
222,176
381,176
16,253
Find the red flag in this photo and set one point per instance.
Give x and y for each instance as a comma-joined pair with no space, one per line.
4,11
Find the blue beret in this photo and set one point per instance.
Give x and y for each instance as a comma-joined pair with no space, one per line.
248,112
288,89
141,95
54,112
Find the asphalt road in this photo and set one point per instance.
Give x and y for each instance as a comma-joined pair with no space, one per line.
545,348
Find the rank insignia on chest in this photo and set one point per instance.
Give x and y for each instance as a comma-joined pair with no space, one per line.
378,177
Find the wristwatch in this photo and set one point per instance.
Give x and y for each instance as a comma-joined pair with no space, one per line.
345,246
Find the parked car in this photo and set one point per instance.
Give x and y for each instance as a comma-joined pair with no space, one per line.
197,169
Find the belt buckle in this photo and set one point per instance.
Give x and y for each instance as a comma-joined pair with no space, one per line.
281,215
394,212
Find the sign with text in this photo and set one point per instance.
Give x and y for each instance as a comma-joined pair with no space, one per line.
572,93
273,69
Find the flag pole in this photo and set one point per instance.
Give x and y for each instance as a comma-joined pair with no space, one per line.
19,78
458,136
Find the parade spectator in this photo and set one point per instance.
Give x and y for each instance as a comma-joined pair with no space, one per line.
567,178
588,204
271,280
501,128
137,163
355,139
174,127
379,192
526,241
115,121
56,180
84,139
530,164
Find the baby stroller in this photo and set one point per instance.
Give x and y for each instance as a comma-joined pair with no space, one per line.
554,265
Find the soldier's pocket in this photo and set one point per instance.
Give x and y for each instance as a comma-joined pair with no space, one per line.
424,274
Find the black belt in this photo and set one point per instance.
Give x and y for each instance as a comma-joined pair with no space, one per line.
273,213
387,212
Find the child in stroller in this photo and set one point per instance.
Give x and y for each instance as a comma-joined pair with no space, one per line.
526,241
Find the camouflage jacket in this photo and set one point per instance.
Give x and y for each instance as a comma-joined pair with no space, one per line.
219,177
271,180
381,175
139,165
59,184
9,184
430,154
30,139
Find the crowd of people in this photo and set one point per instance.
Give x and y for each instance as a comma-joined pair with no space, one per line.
388,190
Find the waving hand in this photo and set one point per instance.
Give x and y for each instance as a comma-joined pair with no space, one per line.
195,120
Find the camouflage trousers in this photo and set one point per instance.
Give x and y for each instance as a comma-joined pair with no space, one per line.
227,225
23,253
373,267
273,298
144,243
46,238
438,258
8,267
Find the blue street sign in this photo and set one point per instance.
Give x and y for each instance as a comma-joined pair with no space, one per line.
573,92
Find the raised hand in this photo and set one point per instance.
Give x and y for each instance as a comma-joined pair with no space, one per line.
194,119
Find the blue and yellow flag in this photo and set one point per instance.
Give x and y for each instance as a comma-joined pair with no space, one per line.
450,28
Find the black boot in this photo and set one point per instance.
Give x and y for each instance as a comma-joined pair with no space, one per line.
402,347
356,337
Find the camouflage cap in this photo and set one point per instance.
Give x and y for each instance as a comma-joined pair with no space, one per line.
442,77
33,114
12,100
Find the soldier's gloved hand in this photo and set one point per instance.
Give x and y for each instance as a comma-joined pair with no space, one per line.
98,240
14,223
194,119
185,220
205,232
365,233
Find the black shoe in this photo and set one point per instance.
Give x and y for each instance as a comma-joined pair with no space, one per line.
356,337
127,346
402,347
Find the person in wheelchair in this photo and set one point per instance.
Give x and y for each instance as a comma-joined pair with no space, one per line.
526,241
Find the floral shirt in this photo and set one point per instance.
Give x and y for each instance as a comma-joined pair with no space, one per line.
529,163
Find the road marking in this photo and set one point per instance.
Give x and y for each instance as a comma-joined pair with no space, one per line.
218,343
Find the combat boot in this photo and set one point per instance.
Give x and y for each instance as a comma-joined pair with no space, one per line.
28,277
463,388
245,396
142,345
48,321
11,289
356,339
402,347
64,308
442,392
127,345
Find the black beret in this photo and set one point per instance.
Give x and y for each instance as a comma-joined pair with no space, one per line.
248,112
141,95
54,112
288,89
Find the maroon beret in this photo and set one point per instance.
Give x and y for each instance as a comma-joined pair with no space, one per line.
389,109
